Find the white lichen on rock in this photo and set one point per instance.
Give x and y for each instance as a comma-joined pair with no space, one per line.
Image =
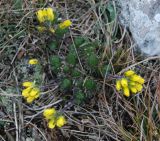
142,17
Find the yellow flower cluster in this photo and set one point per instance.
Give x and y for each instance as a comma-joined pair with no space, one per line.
31,92
54,119
46,14
65,24
131,83
33,61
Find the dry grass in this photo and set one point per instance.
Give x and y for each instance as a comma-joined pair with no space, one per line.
109,115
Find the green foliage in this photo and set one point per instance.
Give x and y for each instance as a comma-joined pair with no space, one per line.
37,73
79,97
92,60
59,32
111,12
71,76
79,41
53,45
76,73
71,58
55,63
90,84
66,84
66,69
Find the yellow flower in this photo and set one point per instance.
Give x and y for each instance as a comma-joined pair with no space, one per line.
132,83
61,121
126,92
30,99
133,90
25,92
141,80
33,61
41,28
49,113
139,87
124,82
40,16
52,30
51,123
34,92
45,14
118,85
27,84
137,78
129,73
65,24
50,14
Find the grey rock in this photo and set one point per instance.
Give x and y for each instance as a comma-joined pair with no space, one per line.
142,17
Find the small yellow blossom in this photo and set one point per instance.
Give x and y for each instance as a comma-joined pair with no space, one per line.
139,87
25,92
141,80
118,85
49,113
30,99
129,73
46,14
41,28
133,90
40,16
124,82
27,84
52,30
131,83
54,118
50,14
134,78
31,92
61,121
65,24
137,78
126,92
34,92
51,123
33,61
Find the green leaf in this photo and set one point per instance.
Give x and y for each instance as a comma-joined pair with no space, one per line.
66,69
89,50
76,73
55,63
60,32
90,84
79,41
92,60
79,83
71,58
53,45
112,12
79,97
66,84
